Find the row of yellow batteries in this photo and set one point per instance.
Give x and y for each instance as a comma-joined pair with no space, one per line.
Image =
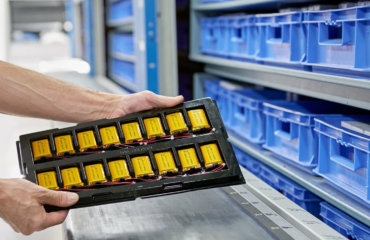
131,132
141,164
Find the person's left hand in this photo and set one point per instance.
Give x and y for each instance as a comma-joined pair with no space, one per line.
141,101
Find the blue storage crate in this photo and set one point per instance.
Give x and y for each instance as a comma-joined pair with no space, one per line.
222,34
344,155
338,40
119,10
343,223
302,197
122,43
247,118
211,88
243,37
250,163
290,129
208,36
282,38
122,69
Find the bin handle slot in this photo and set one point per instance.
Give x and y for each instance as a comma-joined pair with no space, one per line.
343,154
285,131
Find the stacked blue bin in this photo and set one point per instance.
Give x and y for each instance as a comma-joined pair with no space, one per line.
243,37
343,223
282,38
338,40
122,70
344,154
290,130
119,10
208,36
121,43
253,165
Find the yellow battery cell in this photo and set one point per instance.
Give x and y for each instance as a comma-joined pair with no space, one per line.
119,170
48,180
64,145
86,140
188,159
176,123
198,119
40,149
154,127
109,136
95,174
71,177
211,155
142,166
132,132
165,163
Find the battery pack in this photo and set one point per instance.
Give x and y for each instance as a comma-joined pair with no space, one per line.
119,170
189,159
165,162
41,149
142,167
109,136
154,127
198,120
95,174
71,177
176,123
48,180
86,140
64,145
211,155
132,132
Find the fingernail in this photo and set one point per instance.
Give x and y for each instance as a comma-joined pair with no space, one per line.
72,197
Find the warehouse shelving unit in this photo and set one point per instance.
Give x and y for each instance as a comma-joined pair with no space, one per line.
345,90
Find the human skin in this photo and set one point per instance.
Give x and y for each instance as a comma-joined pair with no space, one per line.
27,93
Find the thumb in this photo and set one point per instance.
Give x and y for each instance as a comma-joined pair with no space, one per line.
59,198
160,101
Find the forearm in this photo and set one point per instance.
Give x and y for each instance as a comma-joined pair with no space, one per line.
28,93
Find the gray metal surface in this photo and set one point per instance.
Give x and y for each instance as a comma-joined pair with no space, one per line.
206,214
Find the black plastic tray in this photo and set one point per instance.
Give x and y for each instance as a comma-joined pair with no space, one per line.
230,175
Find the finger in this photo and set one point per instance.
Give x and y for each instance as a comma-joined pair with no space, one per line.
54,218
59,199
159,101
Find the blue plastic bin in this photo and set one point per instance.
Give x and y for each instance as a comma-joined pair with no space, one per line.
339,39
246,118
290,130
211,88
282,38
243,37
342,223
122,69
291,190
344,155
208,36
222,34
119,10
250,163
122,43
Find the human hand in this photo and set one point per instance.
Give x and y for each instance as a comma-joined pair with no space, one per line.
141,101
21,205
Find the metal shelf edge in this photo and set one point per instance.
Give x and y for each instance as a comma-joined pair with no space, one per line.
314,184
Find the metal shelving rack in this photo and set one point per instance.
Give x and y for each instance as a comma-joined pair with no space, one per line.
346,90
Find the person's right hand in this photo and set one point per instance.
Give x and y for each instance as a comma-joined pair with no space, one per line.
21,205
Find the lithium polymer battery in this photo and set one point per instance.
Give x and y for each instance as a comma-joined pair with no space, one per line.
48,180
64,144
132,132
86,140
95,174
154,127
211,155
165,162
188,159
118,170
40,149
109,136
71,177
142,166
198,119
176,123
